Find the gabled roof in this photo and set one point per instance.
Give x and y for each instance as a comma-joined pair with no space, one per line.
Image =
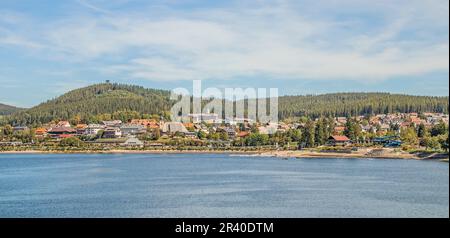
243,134
40,131
339,128
61,130
132,126
340,138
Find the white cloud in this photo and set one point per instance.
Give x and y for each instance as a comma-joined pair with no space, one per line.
288,41
88,5
18,41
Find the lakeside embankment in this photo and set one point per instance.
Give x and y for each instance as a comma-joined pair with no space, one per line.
361,154
366,153
129,152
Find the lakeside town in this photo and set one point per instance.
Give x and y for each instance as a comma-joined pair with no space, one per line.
400,132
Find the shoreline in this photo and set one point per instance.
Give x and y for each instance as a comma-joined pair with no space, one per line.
131,152
389,154
274,154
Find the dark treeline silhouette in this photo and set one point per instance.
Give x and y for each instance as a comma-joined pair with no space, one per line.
7,109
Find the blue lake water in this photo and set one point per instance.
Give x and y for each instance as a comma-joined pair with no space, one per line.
192,185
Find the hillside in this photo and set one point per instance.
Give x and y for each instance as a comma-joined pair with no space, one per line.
96,102
117,101
7,110
348,104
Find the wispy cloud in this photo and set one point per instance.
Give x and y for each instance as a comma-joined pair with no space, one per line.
359,40
17,41
88,5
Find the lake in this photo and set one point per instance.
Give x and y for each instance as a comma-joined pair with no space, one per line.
219,185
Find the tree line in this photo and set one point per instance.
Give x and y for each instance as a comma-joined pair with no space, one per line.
355,104
119,101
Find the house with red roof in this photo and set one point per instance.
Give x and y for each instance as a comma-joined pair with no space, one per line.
61,132
243,134
339,141
339,130
41,132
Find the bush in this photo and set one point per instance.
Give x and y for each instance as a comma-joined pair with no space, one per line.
71,142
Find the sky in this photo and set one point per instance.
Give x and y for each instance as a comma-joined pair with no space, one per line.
299,46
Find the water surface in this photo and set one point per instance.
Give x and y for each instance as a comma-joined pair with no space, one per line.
200,185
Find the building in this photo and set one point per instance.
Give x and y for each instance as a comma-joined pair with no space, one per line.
243,134
339,140
151,123
385,127
339,130
20,128
110,141
218,122
112,132
341,120
81,129
133,142
93,129
366,128
388,141
189,125
160,145
63,124
173,127
241,120
231,132
190,135
282,127
416,121
393,144
132,129
61,132
11,143
271,128
115,123
154,126
41,132
203,117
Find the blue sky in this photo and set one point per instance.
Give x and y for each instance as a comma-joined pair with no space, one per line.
300,46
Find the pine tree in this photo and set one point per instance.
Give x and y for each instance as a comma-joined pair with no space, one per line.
309,134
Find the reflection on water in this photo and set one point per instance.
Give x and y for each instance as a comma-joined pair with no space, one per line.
202,185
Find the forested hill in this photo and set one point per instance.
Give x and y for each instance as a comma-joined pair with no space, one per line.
118,101
97,102
350,104
6,109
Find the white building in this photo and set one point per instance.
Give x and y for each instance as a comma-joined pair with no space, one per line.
239,120
64,124
133,142
204,117
115,123
93,129
112,132
132,129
